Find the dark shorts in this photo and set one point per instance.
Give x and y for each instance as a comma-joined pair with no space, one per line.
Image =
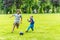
16,24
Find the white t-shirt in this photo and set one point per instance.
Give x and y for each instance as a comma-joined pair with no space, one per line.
17,17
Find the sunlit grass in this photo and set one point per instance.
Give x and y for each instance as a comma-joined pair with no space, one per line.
47,27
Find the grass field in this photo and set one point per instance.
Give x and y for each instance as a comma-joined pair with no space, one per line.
47,27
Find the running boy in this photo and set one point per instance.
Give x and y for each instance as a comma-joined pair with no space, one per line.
31,24
18,18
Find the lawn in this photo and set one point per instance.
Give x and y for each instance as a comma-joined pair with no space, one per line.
47,27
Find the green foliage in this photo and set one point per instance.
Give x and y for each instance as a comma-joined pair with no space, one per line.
28,6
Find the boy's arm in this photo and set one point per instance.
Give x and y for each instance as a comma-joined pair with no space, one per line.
21,19
11,16
29,20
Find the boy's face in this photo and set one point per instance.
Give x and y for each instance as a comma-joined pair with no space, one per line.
31,17
17,12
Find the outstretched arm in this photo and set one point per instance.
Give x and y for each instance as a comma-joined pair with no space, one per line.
11,16
29,20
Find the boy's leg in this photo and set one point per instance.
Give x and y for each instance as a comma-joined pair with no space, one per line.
28,29
17,25
32,27
13,27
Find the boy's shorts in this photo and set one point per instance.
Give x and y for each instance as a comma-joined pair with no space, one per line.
16,23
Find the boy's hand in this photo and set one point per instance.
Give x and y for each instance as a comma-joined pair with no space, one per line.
11,16
28,20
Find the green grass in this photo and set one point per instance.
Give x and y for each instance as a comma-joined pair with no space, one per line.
47,27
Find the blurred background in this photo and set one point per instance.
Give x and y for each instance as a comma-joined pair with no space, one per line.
30,6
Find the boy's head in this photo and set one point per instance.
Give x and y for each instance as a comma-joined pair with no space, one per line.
31,17
18,11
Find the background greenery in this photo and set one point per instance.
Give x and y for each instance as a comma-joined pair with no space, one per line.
28,6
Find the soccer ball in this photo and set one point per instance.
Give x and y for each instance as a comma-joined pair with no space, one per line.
21,33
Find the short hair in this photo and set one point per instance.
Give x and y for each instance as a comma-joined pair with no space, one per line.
18,10
31,16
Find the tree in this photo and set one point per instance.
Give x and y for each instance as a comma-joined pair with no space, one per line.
42,5
7,5
18,4
55,5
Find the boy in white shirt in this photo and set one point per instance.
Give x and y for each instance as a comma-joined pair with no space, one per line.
18,19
